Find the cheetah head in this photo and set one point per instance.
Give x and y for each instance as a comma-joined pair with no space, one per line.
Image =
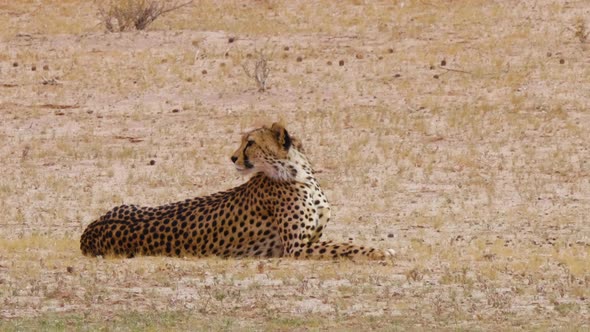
271,151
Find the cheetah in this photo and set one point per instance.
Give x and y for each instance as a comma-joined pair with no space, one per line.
280,212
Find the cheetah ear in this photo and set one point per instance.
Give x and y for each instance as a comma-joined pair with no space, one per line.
282,135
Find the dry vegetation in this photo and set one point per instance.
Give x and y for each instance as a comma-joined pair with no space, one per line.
125,15
455,132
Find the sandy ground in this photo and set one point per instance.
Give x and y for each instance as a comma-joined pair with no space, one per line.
455,133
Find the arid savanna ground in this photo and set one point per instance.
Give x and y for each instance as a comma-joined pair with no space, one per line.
455,132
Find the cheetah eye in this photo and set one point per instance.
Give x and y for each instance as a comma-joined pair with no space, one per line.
249,143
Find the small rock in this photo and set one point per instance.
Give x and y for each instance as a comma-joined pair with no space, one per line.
231,39
15,64
390,235
359,56
341,63
70,269
204,72
152,162
286,48
329,63
397,75
435,76
299,59
33,67
443,63
46,67
176,110
390,50
561,61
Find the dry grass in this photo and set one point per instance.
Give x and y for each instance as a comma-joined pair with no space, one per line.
475,170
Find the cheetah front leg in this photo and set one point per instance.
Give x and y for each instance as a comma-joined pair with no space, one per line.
321,221
333,250
297,243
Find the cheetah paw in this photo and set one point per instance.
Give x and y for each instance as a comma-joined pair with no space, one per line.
389,253
386,254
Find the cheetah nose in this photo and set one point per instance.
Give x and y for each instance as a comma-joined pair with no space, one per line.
234,159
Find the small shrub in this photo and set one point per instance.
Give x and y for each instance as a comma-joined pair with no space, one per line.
260,71
581,31
414,274
124,15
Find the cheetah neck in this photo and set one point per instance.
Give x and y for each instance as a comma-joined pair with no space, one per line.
295,168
